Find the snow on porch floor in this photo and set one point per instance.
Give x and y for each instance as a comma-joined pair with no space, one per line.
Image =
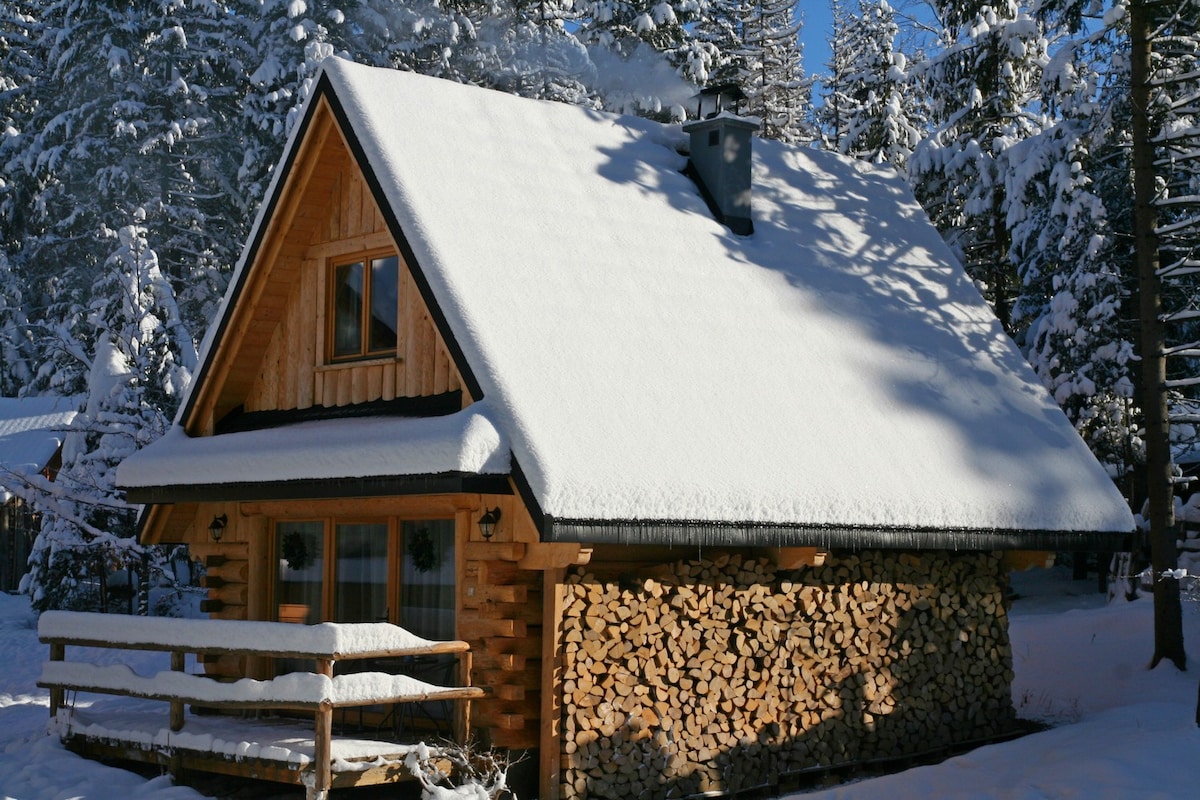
288,742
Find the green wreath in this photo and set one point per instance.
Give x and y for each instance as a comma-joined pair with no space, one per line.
422,551
295,551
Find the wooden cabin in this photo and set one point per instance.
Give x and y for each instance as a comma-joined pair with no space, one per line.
31,437
713,507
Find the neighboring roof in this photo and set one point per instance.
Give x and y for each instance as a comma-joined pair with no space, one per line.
833,378
31,431
369,455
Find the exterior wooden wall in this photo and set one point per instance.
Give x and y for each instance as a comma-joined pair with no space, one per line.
725,675
499,610
293,373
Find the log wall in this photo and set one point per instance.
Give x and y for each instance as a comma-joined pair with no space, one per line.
727,674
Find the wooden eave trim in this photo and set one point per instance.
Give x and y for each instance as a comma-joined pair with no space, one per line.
214,370
346,131
825,537
149,524
323,488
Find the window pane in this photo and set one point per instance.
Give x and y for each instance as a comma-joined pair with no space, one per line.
347,309
300,550
427,579
360,588
385,282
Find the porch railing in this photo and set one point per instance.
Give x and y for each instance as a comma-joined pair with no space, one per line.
318,692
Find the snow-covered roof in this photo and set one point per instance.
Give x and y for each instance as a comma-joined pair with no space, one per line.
31,431
655,374
336,449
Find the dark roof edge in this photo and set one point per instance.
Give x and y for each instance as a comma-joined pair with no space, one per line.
756,534
323,488
422,406
541,520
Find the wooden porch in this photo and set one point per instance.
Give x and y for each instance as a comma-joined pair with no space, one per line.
294,728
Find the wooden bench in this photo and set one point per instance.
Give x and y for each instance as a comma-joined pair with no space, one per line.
318,692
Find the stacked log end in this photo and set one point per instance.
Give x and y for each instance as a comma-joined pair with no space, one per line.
717,676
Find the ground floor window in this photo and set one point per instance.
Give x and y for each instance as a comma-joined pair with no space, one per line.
367,570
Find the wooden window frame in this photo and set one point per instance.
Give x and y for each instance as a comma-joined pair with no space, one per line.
329,523
365,257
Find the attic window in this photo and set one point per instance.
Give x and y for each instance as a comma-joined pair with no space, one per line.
364,300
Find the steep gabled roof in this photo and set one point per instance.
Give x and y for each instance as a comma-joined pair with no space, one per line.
834,378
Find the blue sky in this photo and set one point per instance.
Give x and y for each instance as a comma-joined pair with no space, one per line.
818,22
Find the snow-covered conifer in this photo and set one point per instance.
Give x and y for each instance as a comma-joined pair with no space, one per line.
142,362
985,78
870,110
17,355
772,76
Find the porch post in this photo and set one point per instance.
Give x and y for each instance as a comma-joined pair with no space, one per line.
177,662
322,745
58,652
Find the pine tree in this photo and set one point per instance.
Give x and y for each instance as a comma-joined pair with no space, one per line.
284,43
17,355
1074,287
20,65
986,79
132,115
537,56
141,365
637,34
755,44
869,110
772,76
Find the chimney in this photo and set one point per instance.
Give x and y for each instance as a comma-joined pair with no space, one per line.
719,160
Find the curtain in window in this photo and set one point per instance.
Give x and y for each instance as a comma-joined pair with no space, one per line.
360,585
300,550
427,579
385,296
348,294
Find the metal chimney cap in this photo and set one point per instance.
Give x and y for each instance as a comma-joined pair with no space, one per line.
721,93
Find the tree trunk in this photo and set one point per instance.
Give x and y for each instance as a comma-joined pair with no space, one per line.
1168,613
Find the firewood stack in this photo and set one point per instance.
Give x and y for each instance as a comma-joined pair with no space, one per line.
727,674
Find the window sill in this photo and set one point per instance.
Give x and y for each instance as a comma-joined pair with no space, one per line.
360,362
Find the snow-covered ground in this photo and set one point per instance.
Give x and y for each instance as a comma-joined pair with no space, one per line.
1121,731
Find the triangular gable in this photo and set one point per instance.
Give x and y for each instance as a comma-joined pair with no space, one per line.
269,350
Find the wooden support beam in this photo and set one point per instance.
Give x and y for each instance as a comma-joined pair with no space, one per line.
473,629
553,595
553,555
508,692
495,551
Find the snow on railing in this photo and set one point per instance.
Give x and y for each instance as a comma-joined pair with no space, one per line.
319,691
327,640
